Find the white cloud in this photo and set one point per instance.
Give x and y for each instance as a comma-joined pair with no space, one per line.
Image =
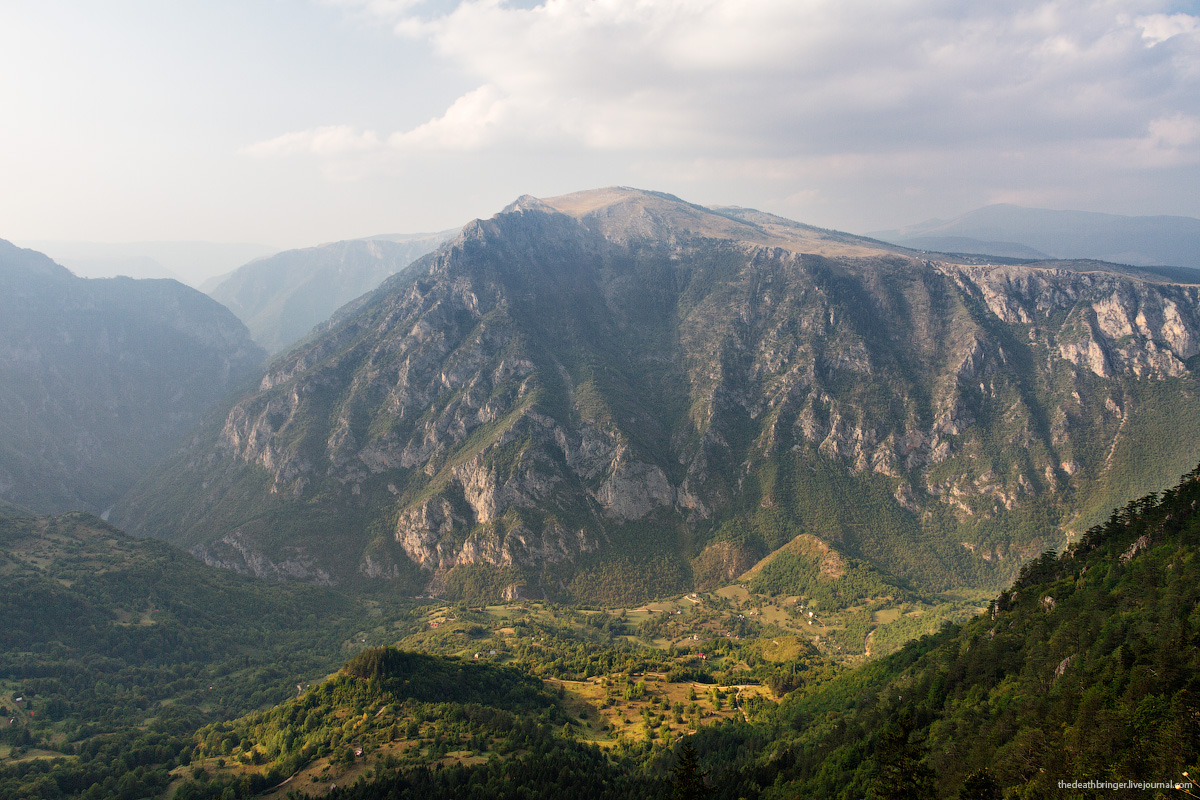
331,140
1158,28
469,124
799,94
1169,142
797,77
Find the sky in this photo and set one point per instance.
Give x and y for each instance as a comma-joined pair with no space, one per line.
293,122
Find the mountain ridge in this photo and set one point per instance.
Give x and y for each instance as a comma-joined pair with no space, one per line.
99,377
282,296
590,399
1141,241
190,262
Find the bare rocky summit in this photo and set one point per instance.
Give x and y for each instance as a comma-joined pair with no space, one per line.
617,393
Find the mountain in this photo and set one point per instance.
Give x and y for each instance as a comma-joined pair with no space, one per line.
617,394
100,377
965,244
283,296
1008,230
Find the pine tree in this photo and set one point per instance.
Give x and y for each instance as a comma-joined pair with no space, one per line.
687,779
901,773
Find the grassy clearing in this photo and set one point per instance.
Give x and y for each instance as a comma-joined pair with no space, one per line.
658,711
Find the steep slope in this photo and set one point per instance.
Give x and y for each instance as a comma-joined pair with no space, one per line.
120,648
99,378
282,297
1012,230
583,394
1085,670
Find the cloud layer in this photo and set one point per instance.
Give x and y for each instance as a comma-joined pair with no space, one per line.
799,91
320,119
788,78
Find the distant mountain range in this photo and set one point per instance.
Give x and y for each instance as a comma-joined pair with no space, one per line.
1037,233
283,296
100,377
187,262
617,394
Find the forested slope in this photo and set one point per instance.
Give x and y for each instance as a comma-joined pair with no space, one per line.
1084,670
1088,668
119,648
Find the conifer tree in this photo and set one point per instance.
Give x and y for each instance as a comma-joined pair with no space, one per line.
687,779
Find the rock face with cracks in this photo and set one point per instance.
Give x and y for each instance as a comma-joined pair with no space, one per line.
619,375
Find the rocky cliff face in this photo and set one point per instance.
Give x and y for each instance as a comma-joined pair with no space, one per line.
621,378
1108,324
100,378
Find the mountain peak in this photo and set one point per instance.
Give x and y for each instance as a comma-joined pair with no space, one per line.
615,394
593,201
624,214
526,202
